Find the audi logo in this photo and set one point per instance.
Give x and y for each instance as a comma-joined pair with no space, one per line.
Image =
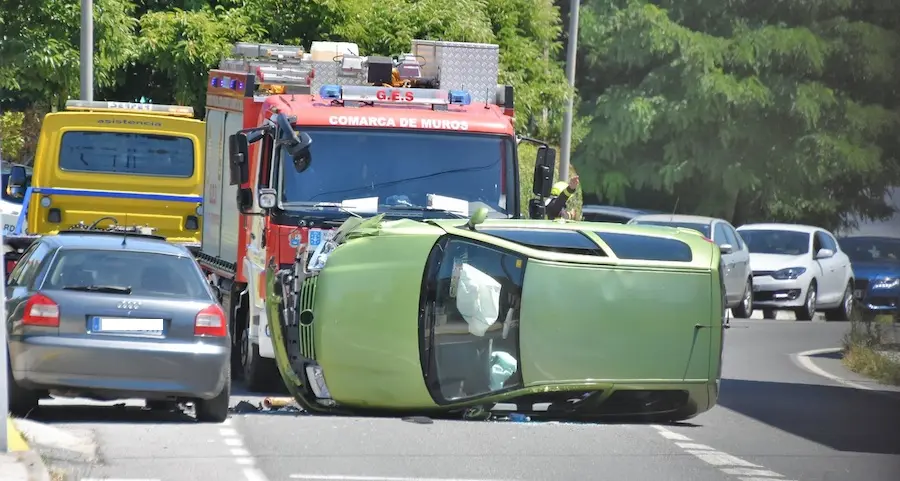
129,305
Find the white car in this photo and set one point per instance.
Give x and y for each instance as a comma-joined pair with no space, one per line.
798,268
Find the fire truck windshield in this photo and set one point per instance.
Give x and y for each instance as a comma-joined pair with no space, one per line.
401,167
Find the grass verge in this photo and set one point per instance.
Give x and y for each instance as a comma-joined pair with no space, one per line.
865,348
869,362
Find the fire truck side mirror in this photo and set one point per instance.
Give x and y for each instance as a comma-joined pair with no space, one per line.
238,152
536,209
543,171
543,181
298,148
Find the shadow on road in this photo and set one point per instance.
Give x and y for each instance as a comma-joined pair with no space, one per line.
107,414
841,418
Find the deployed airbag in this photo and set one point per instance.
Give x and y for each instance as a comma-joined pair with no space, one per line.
477,299
503,366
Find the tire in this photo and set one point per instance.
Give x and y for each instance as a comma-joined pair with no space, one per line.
768,313
842,312
215,410
808,310
257,370
745,308
237,325
21,401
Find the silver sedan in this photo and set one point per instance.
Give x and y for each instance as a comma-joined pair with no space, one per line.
105,316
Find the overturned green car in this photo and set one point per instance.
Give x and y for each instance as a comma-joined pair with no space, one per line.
565,320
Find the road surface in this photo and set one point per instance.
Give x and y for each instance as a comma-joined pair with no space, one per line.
776,420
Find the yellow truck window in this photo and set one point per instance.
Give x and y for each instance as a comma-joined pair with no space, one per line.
127,153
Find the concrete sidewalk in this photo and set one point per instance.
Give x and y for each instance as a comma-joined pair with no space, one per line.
21,463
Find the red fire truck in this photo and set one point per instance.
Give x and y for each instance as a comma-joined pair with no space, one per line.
426,135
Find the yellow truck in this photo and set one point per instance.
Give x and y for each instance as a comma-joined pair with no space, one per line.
122,163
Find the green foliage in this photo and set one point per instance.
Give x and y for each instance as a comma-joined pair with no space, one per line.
527,158
11,139
163,49
40,46
184,45
748,110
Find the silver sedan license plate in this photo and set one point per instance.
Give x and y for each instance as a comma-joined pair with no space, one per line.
127,326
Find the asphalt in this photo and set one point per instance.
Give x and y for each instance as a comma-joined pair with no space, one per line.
776,420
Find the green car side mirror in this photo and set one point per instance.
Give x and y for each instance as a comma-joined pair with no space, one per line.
477,218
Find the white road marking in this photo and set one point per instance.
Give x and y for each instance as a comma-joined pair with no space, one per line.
341,477
232,438
117,479
728,464
693,446
751,472
253,474
805,362
674,436
717,458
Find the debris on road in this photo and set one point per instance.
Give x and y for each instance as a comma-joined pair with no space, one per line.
272,405
278,402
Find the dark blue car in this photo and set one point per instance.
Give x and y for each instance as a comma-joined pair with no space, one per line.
876,265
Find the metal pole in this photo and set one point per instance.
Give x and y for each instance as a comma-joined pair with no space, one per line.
4,350
87,50
566,145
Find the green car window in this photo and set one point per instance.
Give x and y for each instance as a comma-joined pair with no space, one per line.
472,352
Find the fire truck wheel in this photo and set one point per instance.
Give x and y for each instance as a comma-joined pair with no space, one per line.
257,370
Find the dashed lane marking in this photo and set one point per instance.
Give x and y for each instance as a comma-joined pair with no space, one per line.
728,464
241,456
343,477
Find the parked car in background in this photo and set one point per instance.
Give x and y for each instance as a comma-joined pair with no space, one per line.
735,255
611,213
11,205
876,266
798,268
107,316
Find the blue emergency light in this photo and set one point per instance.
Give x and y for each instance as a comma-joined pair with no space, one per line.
330,92
461,97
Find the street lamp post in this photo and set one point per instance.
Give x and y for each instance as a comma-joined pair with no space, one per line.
566,145
4,349
87,50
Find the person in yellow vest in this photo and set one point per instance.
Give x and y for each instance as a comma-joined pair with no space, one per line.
559,196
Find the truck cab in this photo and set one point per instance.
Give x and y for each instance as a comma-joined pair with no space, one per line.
341,137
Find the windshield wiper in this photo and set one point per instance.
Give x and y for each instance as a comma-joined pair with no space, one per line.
94,288
427,209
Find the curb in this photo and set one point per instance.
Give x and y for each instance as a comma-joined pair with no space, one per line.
803,360
18,447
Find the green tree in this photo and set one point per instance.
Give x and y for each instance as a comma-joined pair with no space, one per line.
40,47
11,139
183,45
748,110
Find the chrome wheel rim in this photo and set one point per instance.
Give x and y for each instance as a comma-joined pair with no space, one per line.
848,301
748,298
811,301
245,348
